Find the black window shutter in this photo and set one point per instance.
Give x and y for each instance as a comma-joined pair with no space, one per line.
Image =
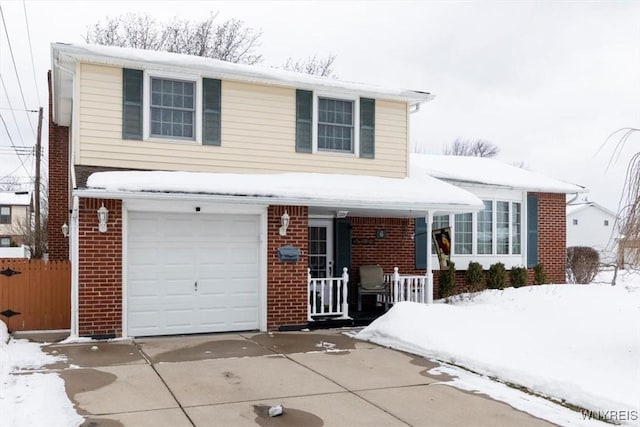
304,119
131,104
367,127
342,246
211,112
532,230
420,241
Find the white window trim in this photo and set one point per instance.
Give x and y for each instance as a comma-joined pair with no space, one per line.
146,106
510,260
356,123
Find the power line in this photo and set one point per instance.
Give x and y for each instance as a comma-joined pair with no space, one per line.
33,65
15,68
12,144
13,114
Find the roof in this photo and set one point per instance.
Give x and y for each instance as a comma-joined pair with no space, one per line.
64,57
20,198
574,208
409,195
486,172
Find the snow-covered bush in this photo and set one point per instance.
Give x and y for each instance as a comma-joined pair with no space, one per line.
539,275
496,278
518,276
474,277
582,264
447,281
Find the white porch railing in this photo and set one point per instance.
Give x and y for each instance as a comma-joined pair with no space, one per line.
408,288
328,296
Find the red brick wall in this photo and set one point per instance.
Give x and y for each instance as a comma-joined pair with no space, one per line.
552,235
58,186
396,250
287,281
100,270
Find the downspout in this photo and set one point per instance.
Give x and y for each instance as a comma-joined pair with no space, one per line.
74,234
574,198
429,222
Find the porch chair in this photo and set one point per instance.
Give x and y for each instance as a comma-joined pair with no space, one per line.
372,283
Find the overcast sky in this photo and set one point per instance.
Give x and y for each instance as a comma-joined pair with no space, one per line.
547,82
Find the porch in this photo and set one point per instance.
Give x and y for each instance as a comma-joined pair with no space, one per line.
328,298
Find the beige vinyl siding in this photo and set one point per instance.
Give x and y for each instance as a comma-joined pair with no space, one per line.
258,134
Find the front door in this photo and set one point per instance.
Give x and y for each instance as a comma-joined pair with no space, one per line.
321,247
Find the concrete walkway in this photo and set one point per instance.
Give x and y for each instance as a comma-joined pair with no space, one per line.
322,378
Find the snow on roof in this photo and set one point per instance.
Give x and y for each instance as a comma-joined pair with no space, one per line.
577,207
309,189
65,55
11,198
485,171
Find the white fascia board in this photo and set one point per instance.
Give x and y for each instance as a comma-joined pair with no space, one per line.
207,67
416,209
528,189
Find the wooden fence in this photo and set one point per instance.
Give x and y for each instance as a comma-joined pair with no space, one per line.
35,294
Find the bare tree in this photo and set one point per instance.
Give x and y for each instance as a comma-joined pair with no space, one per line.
10,183
467,147
628,218
312,65
229,41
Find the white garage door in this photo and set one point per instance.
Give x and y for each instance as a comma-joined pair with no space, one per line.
192,273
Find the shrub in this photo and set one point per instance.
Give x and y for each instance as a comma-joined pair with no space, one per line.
447,281
474,277
582,264
539,276
518,276
496,276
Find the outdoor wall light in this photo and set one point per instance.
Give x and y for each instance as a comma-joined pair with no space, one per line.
103,216
341,214
65,230
284,221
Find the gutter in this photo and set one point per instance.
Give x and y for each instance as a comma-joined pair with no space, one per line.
74,235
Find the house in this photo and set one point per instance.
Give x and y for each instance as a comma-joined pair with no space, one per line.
593,225
15,220
204,196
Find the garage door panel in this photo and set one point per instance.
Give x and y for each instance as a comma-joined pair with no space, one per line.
168,253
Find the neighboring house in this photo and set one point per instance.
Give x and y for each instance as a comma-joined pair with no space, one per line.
204,196
15,214
590,224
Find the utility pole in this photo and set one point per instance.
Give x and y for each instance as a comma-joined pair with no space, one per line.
38,229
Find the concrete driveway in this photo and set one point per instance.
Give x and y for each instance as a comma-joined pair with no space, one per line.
322,378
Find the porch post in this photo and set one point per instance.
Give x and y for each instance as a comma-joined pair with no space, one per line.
311,302
345,294
429,221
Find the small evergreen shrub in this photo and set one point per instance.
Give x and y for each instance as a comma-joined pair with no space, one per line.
582,264
496,278
539,276
447,281
518,276
474,277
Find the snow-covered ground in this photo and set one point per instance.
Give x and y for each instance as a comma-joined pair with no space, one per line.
29,398
575,343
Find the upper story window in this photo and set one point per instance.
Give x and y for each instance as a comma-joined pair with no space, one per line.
335,125
157,105
5,214
606,222
575,222
173,108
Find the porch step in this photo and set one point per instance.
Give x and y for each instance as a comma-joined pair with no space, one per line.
363,318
